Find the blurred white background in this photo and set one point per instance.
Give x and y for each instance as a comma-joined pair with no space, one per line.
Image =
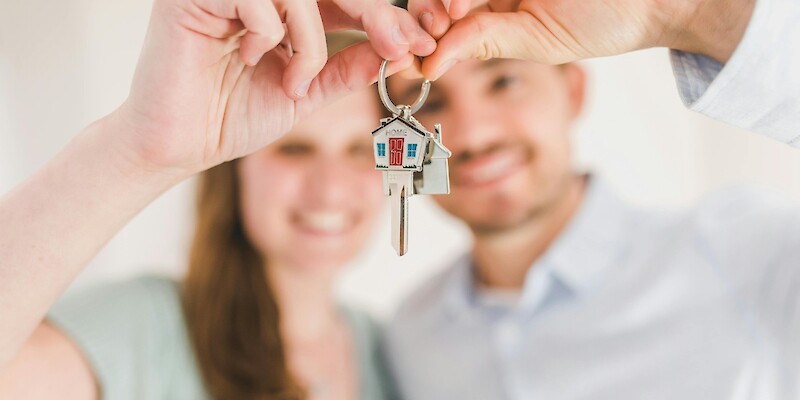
66,63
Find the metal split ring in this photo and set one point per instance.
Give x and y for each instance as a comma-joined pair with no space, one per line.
387,102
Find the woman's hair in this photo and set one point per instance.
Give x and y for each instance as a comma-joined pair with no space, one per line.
230,309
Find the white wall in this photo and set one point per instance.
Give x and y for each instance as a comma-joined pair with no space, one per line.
66,63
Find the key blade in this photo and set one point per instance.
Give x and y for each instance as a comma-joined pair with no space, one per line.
400,221
400,189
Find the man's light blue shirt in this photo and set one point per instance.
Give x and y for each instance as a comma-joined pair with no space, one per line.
626,304
637,304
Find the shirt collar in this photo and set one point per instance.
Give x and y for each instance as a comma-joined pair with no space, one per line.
458,292
578,259
593,241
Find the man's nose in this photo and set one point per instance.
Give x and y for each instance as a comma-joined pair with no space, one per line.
474,124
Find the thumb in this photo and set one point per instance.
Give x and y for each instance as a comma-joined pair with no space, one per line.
486,35
348,71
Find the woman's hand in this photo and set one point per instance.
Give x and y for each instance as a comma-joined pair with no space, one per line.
559,31
216,81
213,83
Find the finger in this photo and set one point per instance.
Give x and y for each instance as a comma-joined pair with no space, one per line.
497,35
392,32
412,72
432,16
458,8
502,5
350,70
334,19
225,19
307,37
199,19
264,29
421,43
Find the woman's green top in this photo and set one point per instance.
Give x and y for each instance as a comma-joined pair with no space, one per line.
134,336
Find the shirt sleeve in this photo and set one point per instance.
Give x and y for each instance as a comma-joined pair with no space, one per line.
124,330
759,88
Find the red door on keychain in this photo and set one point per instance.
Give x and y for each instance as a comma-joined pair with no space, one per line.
396,151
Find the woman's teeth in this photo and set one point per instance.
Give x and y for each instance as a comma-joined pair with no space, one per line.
325,222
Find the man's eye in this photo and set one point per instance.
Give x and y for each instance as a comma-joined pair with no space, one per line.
503,82
294,149
431,106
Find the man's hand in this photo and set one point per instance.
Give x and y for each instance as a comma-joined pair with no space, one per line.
219,79
559,31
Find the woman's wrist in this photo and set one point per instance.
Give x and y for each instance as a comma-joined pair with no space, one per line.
124,158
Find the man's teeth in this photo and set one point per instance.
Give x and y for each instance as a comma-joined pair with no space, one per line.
494,170
327,222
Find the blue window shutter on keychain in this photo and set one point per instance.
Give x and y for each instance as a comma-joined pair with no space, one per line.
412,150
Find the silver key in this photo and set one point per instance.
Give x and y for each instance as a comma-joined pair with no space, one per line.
401,187
412,159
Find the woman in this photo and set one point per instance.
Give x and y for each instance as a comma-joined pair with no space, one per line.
216,80
255,317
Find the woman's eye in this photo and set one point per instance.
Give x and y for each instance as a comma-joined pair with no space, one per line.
503,82
294,149
361,151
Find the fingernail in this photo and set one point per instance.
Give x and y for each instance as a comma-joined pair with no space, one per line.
398,36
426,37
302,88
446,5
444,68
426,20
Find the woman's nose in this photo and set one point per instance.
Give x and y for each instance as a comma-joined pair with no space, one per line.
330,181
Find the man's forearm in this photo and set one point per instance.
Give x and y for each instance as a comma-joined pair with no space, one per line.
56,221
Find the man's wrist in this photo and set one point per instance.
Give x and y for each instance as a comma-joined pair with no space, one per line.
712,28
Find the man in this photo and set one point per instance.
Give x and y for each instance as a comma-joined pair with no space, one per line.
568,292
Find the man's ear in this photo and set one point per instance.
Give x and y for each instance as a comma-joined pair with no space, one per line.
576,83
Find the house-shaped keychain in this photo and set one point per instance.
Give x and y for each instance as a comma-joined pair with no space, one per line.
403,145
411,159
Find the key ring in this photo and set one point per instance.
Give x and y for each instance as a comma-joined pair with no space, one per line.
387,102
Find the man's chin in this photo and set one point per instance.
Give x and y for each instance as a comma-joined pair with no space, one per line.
497,227
494,221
